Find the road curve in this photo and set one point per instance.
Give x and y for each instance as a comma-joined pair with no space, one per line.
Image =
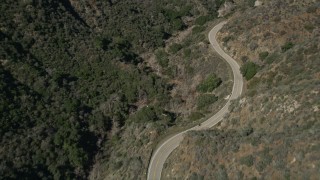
163,151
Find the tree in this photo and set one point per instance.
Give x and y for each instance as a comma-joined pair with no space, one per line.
206,100
248,70
209,84
146,114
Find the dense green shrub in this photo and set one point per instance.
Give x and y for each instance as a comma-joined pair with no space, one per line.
209,84
146,114
151,114
263,55
174,18
103,43
206,100
72,76
171,14
177,24
248,70
287,46
66,84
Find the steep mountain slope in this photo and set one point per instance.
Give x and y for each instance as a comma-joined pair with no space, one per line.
88,87
272,131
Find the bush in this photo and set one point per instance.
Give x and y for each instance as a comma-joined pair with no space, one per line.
102,43
195,176
251,3
195,116
162,58
287,46
312,9
265,160
247,160
253,46
221,173
206,100
309,27
177,24
244,59
263,55
197,29
227,39
202,20
209,84
248,70
174,48
145,114
271,58
246,131
187,52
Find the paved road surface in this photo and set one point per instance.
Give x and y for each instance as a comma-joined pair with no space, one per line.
163,151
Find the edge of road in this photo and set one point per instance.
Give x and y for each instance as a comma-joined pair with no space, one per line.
217,117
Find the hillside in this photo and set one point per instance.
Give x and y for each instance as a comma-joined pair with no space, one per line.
88,88
272,131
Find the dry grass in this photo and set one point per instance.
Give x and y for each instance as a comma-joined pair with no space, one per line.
276,119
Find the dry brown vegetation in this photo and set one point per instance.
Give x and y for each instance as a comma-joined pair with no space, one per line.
272,131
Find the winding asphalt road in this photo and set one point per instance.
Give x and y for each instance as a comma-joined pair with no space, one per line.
163,151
